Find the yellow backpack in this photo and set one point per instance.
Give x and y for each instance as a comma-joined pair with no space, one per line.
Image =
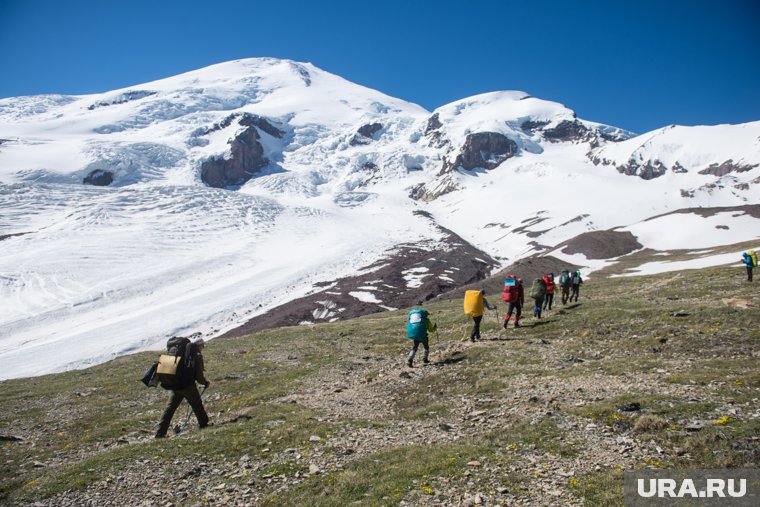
753,254
473,303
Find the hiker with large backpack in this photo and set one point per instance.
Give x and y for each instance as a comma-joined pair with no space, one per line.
474,303
178,371
538,292
576,285
549,280
750,261
417,326
565,282
514,296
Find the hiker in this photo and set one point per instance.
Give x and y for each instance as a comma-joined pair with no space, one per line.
538,292
189,392
514,296
549,280
474,301
576,285
749,263
565,282
417,327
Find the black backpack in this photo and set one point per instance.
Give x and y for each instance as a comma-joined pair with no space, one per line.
176,368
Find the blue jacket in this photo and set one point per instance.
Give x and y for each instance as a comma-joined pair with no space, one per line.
747,259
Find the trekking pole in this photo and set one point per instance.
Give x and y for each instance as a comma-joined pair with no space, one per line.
189,411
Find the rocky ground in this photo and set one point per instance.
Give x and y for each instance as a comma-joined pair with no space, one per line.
548,414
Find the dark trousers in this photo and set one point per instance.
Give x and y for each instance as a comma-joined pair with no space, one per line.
476,328
510,308
749,273
538,304
193,398
565,294
548,301
416,346
575,291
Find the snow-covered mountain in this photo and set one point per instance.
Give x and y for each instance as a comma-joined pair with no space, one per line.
198,202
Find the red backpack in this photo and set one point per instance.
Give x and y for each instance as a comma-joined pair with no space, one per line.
510,294
549,284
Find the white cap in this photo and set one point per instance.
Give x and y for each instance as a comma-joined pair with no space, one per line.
200,342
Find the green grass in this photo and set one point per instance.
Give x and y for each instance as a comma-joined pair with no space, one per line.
382,479
672,329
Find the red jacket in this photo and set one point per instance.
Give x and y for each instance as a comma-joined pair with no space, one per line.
549,284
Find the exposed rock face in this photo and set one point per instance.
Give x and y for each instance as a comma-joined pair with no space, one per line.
568,131
246,120
247,153
99,178
123,98
482,149
433,123
436,139
532,125
252,120
648,170
424,193
365,134
726,167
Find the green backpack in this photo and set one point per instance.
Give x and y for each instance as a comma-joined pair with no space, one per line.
538,289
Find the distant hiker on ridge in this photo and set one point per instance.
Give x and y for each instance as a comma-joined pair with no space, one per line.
188,370
417,326
549,280
576,285
474,301
750,261
514,296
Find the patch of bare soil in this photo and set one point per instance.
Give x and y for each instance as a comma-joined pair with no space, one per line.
601,244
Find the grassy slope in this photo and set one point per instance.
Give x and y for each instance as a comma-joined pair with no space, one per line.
537,407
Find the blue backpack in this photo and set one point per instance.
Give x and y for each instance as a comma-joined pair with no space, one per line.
416,324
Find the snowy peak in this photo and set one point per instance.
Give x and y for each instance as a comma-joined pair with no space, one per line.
702,160
326,193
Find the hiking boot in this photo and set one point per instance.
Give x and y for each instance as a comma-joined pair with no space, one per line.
517,324
425,360
505,324
409,362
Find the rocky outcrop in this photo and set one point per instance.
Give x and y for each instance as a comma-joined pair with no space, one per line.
246,153
433,124
485,150
433,133
122,98
365,134
244,119
98,178
531,125
568,131
648,170
727,167
427,193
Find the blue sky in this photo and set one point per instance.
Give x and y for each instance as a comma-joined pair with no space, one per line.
638,65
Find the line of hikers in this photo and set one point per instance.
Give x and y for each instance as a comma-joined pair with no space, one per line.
475,304
182,366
